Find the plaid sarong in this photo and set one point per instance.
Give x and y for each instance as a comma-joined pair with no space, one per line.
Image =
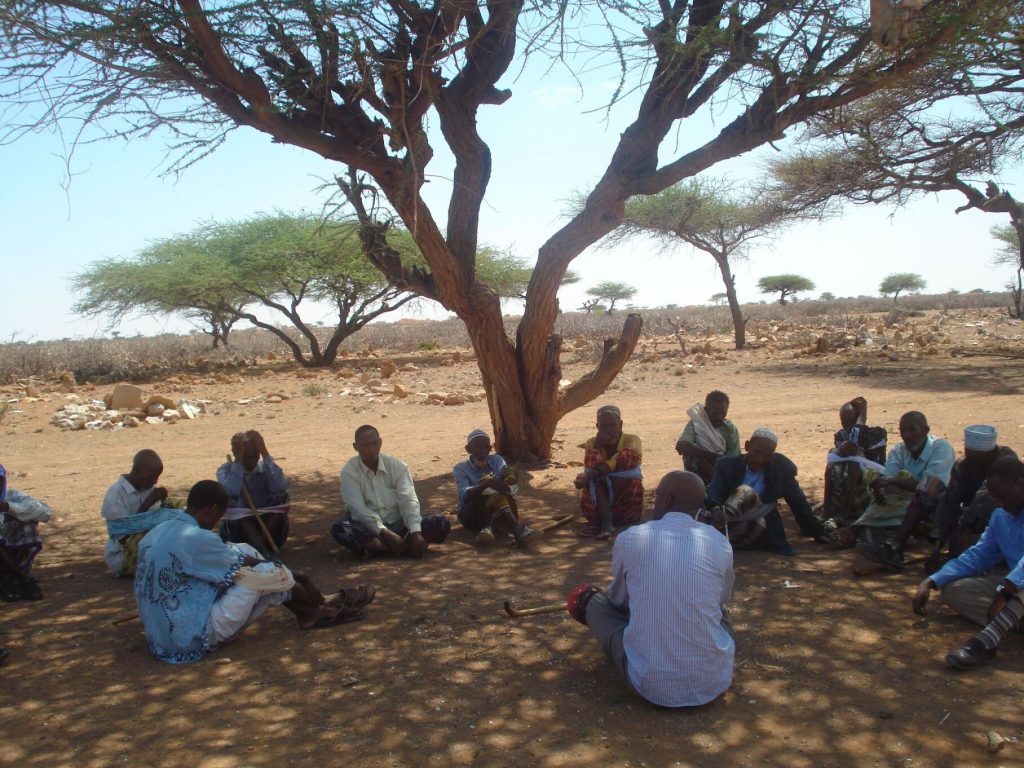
628,503
353,536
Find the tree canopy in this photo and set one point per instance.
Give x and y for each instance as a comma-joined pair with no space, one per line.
784,285
277,263
362,85
901,282
611,292
710,215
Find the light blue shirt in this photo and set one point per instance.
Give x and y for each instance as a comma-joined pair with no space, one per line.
755,480
182,570
467,475
935,460
674,577
1002,541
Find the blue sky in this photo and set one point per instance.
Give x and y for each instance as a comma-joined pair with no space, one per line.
547,141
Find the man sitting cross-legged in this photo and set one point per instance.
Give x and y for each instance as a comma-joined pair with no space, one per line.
772,476
969,585
382,510
908,490
253,479
196,592
612,484
131,508
663,620
708,436
486,488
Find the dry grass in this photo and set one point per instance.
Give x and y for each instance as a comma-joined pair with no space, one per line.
146,358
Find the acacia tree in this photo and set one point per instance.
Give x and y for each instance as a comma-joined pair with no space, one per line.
784,285
358,83
1009,253
611,292
710,216
900,282
162,282
957,119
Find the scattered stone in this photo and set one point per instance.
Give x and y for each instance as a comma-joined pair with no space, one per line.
400,392
129,421
995,742
187,410
31,391
274,399
387,368
126,397
171,415
156,409
455,399
166,402
67,380
154,420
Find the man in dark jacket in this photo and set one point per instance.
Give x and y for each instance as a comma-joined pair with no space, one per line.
773,477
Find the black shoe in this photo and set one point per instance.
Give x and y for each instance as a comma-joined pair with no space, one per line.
971,656
883,554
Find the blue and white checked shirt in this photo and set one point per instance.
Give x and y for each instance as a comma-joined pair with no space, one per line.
674,576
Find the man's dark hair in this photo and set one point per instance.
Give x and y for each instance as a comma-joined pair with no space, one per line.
915,416
365,428
1007,468
207,493
715,396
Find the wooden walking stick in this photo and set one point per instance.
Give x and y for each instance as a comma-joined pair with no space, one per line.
515,613
259,518
555,524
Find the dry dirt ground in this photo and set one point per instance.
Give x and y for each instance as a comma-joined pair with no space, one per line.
830,671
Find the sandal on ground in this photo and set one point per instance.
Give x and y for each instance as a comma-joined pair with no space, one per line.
354,598
589,531
485,538
526,535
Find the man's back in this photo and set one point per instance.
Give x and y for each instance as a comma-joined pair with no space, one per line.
675,575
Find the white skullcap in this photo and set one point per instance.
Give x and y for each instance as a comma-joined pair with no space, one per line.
765,433
979,437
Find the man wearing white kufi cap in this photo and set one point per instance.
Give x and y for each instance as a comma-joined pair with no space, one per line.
772,476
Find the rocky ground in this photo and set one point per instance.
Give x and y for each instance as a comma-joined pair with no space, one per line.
830,671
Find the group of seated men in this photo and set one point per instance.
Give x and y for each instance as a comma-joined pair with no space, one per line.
725,500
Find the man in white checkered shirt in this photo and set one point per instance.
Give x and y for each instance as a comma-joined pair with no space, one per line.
663,621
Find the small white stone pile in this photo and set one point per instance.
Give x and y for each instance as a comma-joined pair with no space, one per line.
124,408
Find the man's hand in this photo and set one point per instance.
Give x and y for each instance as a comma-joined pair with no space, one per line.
924,590
416,545
391,540
237,449
497,484
583,478
258,442
158,494
848,449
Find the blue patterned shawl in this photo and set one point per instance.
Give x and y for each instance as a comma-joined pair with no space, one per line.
181,572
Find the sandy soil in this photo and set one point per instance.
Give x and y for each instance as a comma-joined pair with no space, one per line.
832,672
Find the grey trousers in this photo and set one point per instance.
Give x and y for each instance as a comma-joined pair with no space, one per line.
608,623
971,597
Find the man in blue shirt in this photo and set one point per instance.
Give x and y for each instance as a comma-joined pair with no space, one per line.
990,600
486,488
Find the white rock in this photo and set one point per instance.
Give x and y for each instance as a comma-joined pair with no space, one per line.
129,421
171,415
156,409
154,420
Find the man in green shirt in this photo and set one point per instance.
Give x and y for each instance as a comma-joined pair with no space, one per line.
708,436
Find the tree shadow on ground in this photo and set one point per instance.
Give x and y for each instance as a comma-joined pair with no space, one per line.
829,672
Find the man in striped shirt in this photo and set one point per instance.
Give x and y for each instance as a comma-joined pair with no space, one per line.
662,621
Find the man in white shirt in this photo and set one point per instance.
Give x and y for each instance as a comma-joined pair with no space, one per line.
382,510
662,621
134,494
